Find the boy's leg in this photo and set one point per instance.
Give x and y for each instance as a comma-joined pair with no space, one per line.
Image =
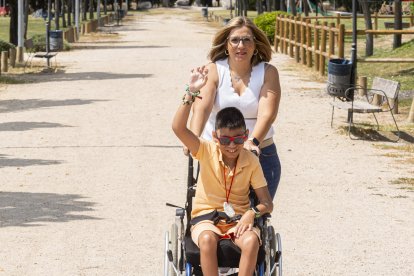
207,241
249,245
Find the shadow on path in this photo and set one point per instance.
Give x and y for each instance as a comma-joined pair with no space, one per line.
20,105
18,162
62,76
23,126
30,209
103,47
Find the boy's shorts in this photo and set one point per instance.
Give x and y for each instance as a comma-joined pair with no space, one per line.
223,229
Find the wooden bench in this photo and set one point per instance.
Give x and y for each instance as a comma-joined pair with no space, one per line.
382,97
28,44
390,25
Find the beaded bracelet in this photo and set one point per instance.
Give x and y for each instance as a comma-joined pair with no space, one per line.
193,95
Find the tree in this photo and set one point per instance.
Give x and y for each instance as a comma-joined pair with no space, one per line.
13,22
397,23
369,48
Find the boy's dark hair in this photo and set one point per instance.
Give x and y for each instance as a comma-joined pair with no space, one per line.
231,118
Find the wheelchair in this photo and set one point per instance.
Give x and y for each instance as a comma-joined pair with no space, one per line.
182,256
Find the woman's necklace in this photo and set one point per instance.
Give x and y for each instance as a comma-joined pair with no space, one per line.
238,78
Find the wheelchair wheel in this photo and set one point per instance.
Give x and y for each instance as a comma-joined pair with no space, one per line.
173,247
275,252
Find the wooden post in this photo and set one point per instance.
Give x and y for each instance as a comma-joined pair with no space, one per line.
341,41
4,64
282,34
338,19
316,44
411,114
12,57
394,104
286,35
297,40
19,54
412,19
331,40
308,43
322,58
276,40
292,34
377,100
362,82
302,41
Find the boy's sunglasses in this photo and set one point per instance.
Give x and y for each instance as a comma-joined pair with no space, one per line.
226,140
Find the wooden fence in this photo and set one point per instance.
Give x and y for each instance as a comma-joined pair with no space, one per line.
313,44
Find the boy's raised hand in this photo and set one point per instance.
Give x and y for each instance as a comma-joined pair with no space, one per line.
198,78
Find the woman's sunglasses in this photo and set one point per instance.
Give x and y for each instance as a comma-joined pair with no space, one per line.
226,140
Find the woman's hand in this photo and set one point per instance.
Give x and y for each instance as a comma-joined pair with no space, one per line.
245,223
249,145
198,78
186,151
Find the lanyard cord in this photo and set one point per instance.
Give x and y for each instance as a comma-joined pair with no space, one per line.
231,183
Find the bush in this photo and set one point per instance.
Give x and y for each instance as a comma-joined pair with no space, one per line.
5,46
39,43
266,22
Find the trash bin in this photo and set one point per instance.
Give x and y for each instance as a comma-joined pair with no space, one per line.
121,13
339,77
204,12
56,40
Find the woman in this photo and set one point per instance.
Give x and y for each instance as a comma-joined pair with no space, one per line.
240,76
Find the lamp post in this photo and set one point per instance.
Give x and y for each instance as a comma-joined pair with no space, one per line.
77,18
20,32
353,53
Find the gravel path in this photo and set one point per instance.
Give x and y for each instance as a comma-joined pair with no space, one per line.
88,161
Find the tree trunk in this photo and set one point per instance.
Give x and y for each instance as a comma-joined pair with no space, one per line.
69,14
305,5
397,23
90,9
292,5
26,18
63,8
84,10
369,47
13,23
57,13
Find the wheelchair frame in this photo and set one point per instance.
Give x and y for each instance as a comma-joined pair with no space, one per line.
175,262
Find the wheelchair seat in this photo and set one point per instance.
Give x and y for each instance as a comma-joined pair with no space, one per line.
228,254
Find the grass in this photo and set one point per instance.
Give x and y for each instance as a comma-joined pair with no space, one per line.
36,26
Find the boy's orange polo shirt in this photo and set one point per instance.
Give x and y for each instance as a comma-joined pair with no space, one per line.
211,193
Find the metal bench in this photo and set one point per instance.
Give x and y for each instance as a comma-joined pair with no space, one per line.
28,44
382,97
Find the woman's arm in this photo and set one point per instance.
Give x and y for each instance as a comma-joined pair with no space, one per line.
202,109
268,104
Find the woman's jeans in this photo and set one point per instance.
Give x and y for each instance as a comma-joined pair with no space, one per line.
271,167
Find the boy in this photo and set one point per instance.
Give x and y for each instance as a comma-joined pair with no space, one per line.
227,172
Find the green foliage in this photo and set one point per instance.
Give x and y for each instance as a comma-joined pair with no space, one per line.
266,22
39,43
5,46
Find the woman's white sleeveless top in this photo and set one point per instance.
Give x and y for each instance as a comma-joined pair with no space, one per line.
247,103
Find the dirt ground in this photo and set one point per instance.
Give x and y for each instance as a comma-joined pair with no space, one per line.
88,161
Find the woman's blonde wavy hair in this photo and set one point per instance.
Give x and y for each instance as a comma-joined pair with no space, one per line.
217,51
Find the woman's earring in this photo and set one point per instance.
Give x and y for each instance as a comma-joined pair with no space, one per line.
255,52
226,52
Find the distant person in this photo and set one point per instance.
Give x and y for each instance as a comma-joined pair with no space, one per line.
240,76
227,172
